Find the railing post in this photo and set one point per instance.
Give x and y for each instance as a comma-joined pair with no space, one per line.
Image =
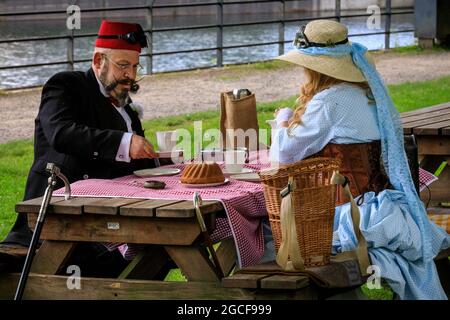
70,50
337,10
149,57
281,28
387,27
219,52
70,45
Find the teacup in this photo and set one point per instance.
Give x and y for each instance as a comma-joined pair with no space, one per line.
167,140
235,159
212,155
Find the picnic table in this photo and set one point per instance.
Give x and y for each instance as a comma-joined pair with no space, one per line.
431,128
168,228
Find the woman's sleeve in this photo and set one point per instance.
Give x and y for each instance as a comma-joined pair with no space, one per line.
307,138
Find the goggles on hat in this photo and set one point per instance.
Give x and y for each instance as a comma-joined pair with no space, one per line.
131,37
301,40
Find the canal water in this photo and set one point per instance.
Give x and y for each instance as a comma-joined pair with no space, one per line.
33,52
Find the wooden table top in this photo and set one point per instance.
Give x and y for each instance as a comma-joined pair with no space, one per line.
120,206
434,120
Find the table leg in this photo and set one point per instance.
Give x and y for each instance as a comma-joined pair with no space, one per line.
51,256
148,265
226,253
193,262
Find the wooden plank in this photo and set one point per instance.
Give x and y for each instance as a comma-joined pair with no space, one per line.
147,264
284,282
431,129
109,206
51,287
442,106
103,228
432,145
422,116
193,262
435,122
241,280
33,205
73,205
13,250
145,208
226,253
51,256
185,209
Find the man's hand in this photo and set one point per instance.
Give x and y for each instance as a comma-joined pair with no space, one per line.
140,148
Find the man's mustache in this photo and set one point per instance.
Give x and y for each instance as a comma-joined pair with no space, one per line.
134,87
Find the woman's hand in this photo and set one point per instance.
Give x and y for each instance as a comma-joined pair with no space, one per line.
282,116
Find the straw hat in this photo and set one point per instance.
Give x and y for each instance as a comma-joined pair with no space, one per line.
323,33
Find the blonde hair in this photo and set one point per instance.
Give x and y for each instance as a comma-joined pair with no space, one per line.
316,82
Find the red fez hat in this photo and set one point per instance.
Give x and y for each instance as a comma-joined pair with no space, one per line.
121,35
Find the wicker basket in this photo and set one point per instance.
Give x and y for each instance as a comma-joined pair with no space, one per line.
313,205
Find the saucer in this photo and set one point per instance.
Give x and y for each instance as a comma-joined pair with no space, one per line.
249,177
244,170
156,172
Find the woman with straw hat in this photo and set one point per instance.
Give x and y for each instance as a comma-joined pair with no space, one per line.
344,110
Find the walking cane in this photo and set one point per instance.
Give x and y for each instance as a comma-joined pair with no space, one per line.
201,222
55,173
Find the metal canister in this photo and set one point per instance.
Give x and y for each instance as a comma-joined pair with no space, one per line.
240,93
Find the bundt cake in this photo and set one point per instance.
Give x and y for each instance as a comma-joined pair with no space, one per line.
202,173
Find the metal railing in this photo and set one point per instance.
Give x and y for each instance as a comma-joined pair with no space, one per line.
219,25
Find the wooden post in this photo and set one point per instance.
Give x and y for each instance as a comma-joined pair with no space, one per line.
219,52
149,57
387,28
337,10
281,28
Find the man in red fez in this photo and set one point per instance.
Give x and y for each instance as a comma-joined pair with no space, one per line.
85,124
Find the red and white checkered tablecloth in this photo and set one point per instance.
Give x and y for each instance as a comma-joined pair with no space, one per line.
425,179
243,202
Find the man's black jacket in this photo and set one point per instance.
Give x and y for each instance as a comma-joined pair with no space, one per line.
79,130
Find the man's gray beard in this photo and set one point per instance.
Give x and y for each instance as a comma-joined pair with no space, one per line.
122,97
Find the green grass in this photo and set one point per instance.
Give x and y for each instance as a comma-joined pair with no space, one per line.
415,49
15,161
413,95
16,157
384,293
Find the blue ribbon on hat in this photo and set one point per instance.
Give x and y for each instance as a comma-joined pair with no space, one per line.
392,145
